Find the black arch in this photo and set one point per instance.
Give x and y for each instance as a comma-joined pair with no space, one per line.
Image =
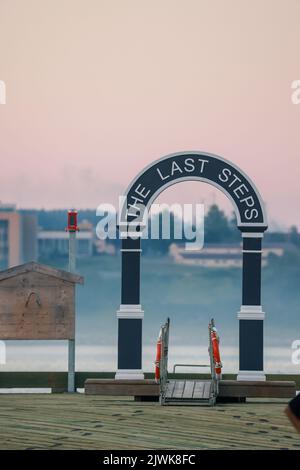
251,220
195,166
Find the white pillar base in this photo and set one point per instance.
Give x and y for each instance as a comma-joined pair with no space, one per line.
129,374
251,312
254,375
130,311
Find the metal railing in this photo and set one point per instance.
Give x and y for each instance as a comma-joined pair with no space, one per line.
189,365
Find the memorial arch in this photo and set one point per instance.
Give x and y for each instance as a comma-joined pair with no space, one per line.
251,221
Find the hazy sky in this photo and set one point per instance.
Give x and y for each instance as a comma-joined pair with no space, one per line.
98,89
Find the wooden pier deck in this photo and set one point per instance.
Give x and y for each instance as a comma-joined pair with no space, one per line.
45,421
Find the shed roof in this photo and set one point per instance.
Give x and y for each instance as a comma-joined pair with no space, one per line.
42,269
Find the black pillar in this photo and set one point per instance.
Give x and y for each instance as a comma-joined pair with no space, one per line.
251,316
130,315
251,292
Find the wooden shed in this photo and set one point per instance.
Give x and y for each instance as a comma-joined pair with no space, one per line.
37,302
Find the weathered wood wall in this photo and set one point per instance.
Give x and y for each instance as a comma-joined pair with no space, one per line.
36,306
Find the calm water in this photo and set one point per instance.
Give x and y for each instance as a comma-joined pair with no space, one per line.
190,296
46,357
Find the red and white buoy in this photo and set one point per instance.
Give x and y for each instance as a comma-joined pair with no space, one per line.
215,340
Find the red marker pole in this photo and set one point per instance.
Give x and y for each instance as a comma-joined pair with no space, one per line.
72,228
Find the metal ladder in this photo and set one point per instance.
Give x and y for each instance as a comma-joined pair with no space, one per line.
186,392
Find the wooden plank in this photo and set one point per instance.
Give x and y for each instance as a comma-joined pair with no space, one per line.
178,389
170,389
122,387
188,389
110,381
198,390
251,389
70,422
207,388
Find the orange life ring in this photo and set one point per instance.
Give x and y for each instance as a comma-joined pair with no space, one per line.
158,359
216,352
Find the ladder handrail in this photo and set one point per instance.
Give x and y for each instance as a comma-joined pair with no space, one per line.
189,365
164,353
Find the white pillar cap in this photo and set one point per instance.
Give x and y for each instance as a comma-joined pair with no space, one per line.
251,312
130,311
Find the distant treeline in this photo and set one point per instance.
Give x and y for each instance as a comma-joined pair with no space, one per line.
218,228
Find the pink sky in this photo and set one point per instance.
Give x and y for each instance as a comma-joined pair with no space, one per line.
98,89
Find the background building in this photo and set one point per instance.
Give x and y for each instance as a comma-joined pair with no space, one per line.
221,255
18,236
